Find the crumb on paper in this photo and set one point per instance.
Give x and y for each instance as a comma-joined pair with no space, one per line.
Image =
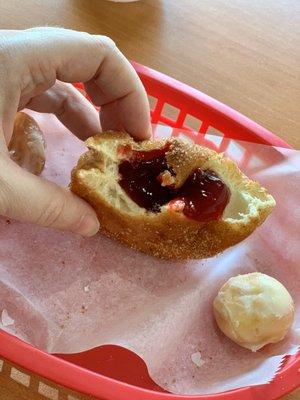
6,320
86,288
83,309
197,359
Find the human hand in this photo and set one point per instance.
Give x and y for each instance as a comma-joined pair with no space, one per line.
36,69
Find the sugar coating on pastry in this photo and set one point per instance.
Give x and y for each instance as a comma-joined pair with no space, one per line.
146,196
254,310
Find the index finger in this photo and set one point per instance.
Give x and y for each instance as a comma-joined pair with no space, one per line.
121,95
72,56
116,88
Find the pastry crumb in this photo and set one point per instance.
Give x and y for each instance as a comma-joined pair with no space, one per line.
166,178
197,359
177,205
83,309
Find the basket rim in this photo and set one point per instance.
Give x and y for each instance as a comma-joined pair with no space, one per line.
225,112
87,382
79,379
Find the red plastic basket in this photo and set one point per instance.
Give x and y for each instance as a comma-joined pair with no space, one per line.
112,373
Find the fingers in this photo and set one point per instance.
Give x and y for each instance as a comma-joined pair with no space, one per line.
48,54
28,198
122,97
70,107
120,115
31,62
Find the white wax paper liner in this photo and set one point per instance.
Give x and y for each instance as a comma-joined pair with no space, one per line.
66,294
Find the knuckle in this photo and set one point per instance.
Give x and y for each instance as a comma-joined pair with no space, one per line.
77,223
36,78
4,204
53,212
65,101
5,195
106,43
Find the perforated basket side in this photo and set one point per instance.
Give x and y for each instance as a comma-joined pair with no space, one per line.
191,103
23,384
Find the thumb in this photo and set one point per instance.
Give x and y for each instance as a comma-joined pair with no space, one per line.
26,197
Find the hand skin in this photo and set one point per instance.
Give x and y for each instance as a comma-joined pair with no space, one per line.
37,67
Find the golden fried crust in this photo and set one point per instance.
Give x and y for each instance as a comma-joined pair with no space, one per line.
168,234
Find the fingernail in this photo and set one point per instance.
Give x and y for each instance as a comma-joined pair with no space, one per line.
148,134
89,226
